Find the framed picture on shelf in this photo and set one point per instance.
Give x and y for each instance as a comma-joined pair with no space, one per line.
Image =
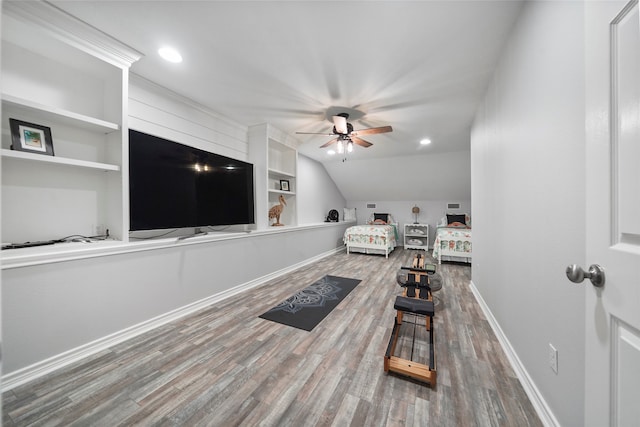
31,137
284,185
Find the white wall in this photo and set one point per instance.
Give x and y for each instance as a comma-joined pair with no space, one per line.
528,196
421,177
316,194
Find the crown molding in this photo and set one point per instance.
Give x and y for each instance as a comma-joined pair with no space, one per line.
72,31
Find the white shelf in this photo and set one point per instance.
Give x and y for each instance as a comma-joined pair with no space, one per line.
416,236
59,115
292,193
58,160
282,174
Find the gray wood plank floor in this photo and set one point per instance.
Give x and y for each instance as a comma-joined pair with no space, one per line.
225,366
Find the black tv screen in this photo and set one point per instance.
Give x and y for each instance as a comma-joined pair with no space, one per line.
172,185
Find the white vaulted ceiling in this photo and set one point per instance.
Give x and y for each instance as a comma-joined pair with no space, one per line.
419,66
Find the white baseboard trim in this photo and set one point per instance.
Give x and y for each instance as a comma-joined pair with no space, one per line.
44,367
542,408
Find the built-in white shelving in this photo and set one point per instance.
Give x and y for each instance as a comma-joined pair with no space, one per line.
275,156
79,90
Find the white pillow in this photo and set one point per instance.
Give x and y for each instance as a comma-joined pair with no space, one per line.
349,214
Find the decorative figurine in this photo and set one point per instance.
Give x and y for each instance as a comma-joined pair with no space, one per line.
275,211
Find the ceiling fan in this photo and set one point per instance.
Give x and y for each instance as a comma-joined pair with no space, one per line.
345,136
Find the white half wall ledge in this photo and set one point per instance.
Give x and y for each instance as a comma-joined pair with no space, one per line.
43,301
52,364
72,251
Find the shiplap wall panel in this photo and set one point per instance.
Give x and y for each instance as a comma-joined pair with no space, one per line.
156,110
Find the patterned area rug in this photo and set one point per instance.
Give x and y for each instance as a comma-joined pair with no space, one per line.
308,307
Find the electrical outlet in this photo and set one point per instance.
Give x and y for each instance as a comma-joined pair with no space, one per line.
553,358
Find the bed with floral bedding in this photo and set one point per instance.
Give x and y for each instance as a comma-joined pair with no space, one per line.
378,236
453,238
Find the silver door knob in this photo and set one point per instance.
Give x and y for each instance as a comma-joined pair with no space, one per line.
576,274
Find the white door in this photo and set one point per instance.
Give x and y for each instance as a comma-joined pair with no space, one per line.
612,30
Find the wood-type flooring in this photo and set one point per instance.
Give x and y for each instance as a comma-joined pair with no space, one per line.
225,366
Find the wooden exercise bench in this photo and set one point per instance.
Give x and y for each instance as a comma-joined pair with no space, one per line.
416,299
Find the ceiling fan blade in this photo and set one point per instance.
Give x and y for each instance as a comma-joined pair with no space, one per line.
341,124
372,131
361,142
315,133
333,141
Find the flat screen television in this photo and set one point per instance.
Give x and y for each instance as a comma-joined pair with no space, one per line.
172,185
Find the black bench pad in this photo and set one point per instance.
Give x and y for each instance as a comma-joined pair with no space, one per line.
412,305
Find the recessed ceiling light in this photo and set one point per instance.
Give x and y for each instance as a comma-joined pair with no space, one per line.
331,152
170,54
425,141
